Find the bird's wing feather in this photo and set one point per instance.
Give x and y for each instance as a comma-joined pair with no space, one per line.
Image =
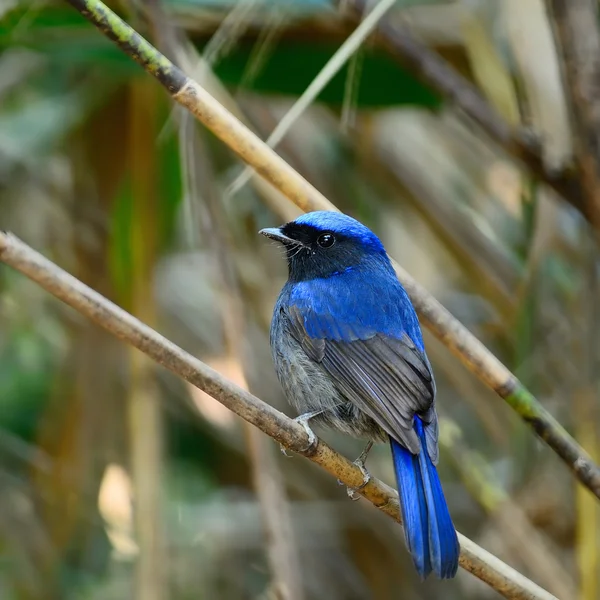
388,378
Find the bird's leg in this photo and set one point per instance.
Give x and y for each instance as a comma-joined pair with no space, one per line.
360,463
303,420
362,459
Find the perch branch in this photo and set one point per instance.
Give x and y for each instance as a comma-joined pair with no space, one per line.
274,169
281,428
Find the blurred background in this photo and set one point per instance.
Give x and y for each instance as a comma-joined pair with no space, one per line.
117,479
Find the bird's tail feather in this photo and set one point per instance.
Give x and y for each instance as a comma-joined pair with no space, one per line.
428,528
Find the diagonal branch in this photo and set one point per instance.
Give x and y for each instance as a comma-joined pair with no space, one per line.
281,428
441,77
274,169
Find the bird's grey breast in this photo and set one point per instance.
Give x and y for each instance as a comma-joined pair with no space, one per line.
306,384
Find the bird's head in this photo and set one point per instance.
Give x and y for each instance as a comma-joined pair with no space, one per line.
326,243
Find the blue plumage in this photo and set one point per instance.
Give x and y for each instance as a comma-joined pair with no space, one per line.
348,349
341,308
429,531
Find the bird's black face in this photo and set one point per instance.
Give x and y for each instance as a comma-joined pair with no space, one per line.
314,253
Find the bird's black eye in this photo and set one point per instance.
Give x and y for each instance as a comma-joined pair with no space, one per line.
326,240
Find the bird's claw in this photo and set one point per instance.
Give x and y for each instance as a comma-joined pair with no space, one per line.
360,463
312,438
352,492
284,451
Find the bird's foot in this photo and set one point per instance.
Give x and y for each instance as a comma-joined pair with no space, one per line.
360,463
353,492
312,438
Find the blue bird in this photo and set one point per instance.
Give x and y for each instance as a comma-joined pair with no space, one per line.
349,354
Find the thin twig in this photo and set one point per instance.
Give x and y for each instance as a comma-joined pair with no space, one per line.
437,74
333,65
275,170
281,428
228,32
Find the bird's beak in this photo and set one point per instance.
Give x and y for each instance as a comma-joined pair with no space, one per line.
274,233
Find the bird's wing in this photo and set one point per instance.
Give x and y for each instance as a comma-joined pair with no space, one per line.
388,378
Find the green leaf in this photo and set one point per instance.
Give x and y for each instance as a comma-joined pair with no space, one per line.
294,64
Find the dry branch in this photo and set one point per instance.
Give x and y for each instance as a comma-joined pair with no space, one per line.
281,428
275,170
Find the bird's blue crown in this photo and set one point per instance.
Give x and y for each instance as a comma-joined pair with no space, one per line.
327,220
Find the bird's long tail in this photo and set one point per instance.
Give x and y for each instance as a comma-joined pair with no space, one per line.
428,528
